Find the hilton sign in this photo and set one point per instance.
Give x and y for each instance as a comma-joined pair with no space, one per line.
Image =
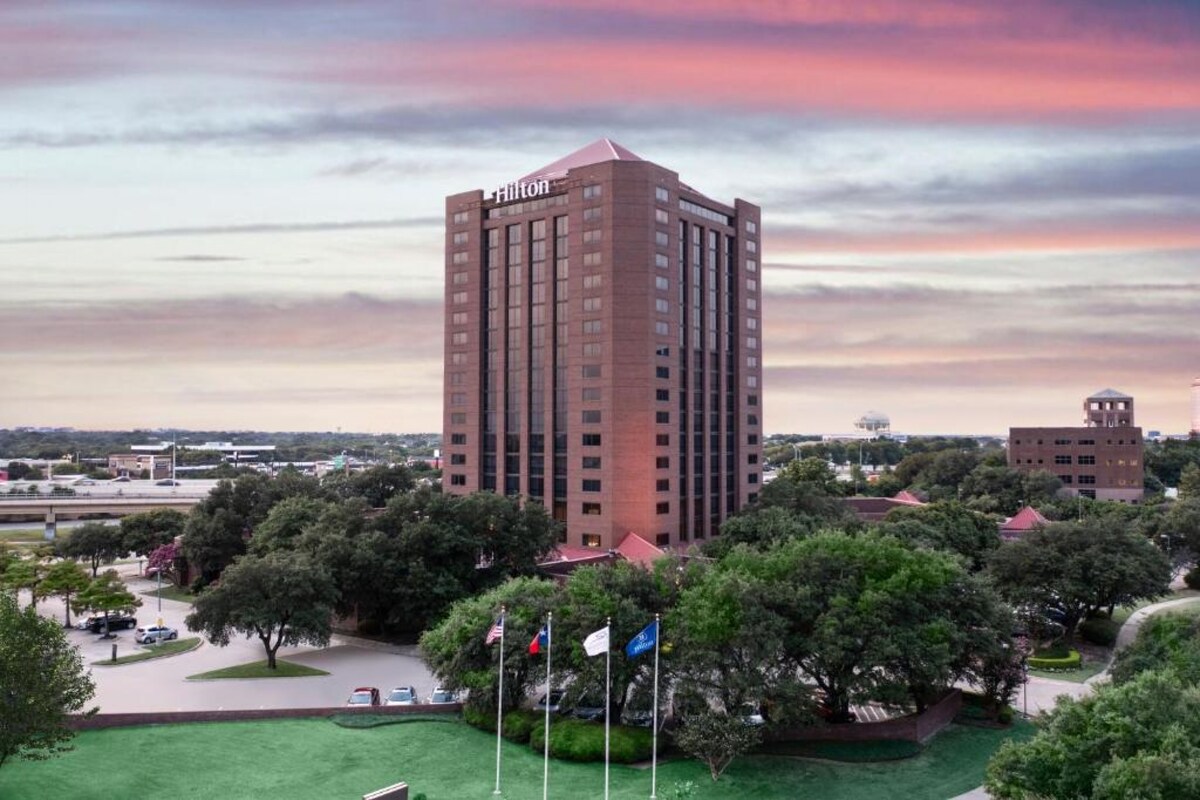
521,191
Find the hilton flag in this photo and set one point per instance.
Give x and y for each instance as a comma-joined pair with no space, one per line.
495,632
643,641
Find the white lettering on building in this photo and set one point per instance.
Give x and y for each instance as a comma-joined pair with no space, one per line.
521,190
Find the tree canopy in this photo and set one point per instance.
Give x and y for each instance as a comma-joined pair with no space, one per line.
42,682
94,543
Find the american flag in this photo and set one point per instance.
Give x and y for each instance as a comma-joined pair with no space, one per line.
495,632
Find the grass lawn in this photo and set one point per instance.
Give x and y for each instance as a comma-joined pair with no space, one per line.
1125,612
314,758
32,536
258,669
173,592
153,651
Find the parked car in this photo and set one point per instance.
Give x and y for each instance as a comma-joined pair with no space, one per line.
442,696
588,708
638,718
556,702
166,482
402,696
751,715
121,479
364,696
154,633
116,622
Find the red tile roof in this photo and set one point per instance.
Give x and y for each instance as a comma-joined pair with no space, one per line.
637,550
905,496
1024,520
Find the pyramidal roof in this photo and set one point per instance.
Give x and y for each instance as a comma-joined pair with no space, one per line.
595,153
1110,394
1026,519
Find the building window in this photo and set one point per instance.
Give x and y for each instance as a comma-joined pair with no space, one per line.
660,216
662,485
751,226
752,342
1062,441
662,508
662,350
458,418
590,371
593,281
593,349
593,303
662,372
751,399
593,191
660,194
660,260
458,318
591,539
662,462
458,399
592,259
751,323
458,480
752,419
591,394
591,417
458,298
1062,459
461,278
462,216
1087,479
458,459
751,265
752,458
662,417
591,462
591,509
1066,479
662,328
458,359
662,395
591,237
593,214
593,326
752,477
661,283
591,485
751,246
662,440
458,438
1091,460
660,305
461,258
752,438
591,440
660,239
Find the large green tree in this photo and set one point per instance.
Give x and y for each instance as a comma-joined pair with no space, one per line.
1082,567
94,543
25,573
106,594
282,598
1164,640
949,526
65,579
144,533
1137,740
42,682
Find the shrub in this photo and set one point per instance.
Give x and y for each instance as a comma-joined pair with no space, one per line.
1192,579
479,718
577,740
1005,716
1100,630
1056,664
518,725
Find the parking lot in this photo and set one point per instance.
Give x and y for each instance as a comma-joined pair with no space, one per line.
162,685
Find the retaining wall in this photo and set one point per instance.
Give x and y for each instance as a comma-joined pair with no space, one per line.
100,721
909,728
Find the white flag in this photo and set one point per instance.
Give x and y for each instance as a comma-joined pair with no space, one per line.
596,642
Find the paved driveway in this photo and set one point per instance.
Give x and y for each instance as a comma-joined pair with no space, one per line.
161,685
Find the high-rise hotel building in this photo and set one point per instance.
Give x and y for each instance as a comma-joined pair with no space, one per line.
604,348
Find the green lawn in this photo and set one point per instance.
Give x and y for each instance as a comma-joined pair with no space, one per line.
1125,612
153,651
1087,669
172,592
31,536
314,758
258,669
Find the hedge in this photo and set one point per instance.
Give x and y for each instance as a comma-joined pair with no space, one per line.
579,740
1100,630
517,725
1071,661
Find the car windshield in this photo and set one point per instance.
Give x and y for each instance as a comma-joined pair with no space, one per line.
360,697
443,697
400,694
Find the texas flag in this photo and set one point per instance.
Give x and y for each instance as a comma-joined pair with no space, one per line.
540,641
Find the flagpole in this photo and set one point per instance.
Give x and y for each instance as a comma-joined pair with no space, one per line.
500,701
607,701
654,719
546,743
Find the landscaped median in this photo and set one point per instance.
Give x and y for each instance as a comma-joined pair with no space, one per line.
259,669
172,592
153,651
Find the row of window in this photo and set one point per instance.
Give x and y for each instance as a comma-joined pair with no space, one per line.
1081,442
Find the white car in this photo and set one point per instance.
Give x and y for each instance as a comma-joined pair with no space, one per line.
154,633
442,696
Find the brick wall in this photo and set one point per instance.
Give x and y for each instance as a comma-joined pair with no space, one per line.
909,728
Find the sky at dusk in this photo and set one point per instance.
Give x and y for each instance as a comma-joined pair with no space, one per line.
221,214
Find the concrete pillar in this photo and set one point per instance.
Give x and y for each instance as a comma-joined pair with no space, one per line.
51,526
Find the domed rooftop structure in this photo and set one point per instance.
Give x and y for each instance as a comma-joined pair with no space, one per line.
873,422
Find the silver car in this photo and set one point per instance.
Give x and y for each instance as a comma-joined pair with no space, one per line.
154,633
402,696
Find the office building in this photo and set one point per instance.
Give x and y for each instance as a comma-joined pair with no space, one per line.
603,348
1101,460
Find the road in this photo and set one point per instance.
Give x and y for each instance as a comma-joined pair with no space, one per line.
162,685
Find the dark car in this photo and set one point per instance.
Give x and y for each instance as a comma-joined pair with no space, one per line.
364,696
116,622
556,702
588,708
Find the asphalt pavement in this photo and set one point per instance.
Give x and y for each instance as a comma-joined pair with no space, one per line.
162,685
